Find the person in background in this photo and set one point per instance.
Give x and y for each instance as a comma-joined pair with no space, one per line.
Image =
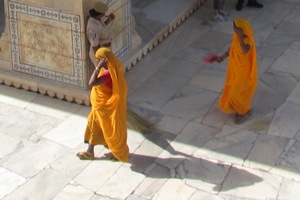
219,14
251,3
97,32
241,78
107,119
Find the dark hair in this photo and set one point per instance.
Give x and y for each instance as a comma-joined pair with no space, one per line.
94,13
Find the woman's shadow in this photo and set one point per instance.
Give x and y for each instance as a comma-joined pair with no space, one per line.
197,172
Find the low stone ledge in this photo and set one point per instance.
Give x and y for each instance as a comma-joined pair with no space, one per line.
55,90
144,50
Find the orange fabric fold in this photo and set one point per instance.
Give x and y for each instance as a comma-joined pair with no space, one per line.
107,119
241,78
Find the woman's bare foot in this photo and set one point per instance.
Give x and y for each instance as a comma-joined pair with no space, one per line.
239,119
85,155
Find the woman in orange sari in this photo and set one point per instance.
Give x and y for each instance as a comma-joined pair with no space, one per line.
241,78
107,119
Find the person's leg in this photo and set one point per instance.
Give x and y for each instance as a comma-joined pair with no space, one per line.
221,4
91,149
254,3
216,7
216,14
239,5
221,9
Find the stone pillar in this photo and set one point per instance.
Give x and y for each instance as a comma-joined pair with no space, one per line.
44,47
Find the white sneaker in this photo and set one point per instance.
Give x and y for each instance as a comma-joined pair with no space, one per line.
219,18
224,13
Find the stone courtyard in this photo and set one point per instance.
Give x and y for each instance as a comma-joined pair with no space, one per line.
196,151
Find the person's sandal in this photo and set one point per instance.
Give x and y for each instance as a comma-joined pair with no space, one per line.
239,119
85,156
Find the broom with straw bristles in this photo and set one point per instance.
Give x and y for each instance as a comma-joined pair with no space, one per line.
138,122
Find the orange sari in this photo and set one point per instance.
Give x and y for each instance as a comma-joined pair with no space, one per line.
241,78
107,119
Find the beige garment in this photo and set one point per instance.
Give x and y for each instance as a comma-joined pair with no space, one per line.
98,36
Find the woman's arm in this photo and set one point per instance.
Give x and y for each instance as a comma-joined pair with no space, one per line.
225,55
94,80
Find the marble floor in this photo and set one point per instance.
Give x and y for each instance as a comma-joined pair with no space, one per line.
196,152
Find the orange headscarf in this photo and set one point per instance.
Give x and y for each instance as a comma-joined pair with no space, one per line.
248,31
119,90
109,108
241,78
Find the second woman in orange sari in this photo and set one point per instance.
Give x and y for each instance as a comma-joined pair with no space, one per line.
241,79
107,119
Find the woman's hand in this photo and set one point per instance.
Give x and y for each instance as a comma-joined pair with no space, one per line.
102,63
110,18
219,59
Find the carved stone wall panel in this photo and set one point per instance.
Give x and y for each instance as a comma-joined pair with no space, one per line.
46,43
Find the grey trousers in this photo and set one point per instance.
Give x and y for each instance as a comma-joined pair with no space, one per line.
219,4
